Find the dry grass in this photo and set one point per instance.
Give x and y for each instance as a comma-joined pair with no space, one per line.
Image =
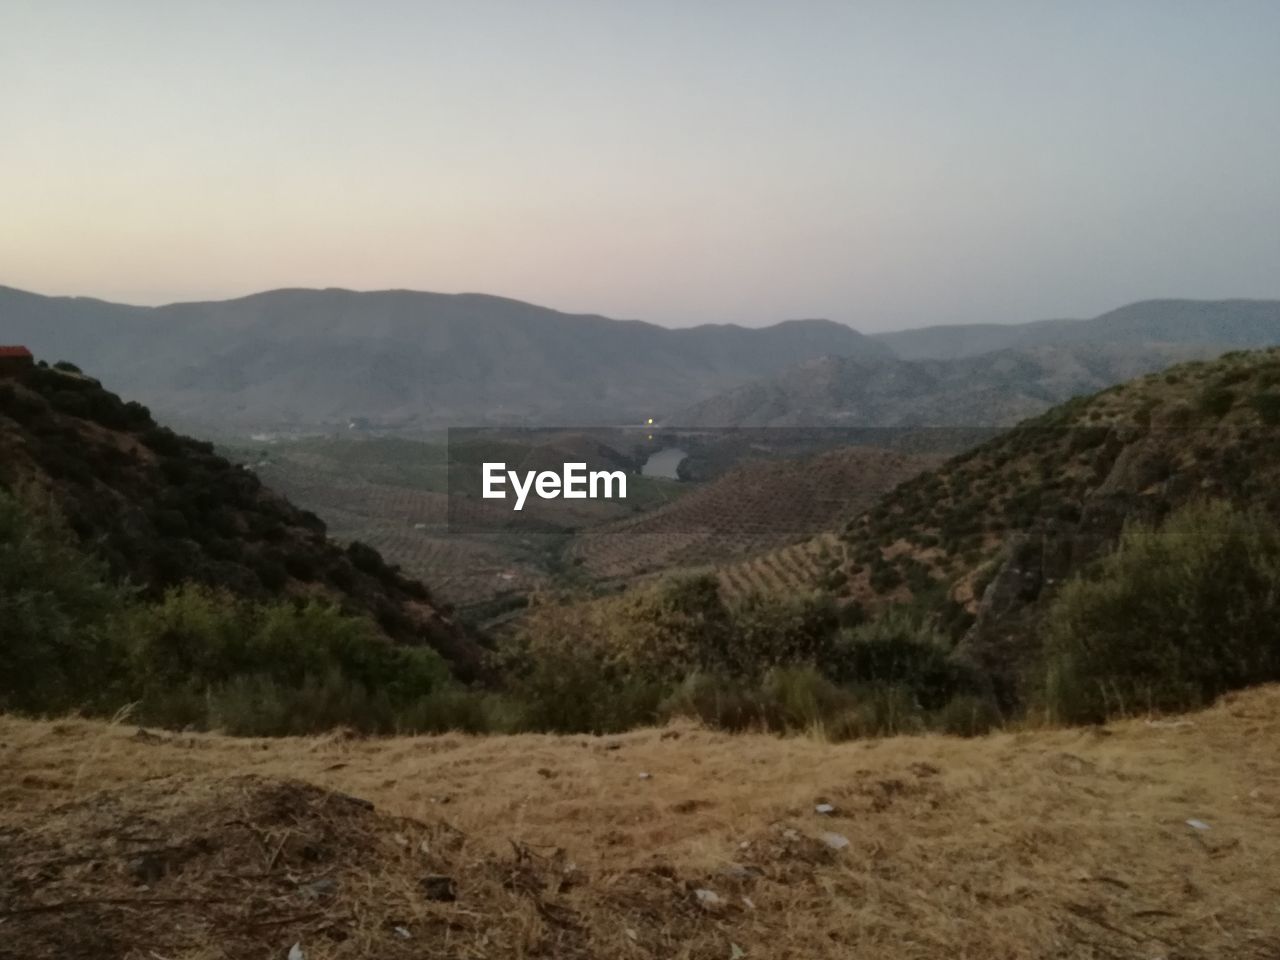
1069,843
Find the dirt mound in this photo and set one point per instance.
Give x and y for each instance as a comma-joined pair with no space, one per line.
248,867
232,865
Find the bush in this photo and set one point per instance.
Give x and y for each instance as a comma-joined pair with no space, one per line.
1216,401
567,692
899,649
766,632
202,657
876,710
1267,404
55,653
967,715
1173,617
716,700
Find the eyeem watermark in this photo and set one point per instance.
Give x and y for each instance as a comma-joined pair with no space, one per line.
574,482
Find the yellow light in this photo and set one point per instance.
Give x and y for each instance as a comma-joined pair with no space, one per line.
651,421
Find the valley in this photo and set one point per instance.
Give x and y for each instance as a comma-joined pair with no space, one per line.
640,481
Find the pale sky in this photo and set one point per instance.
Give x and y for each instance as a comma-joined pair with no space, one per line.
884,164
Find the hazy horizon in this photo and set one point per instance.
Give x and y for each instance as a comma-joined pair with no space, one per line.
875,164
620,318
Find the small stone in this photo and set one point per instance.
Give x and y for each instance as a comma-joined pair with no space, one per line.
836,841
646,776
708,898
402,933
1195,824
824,809
295,952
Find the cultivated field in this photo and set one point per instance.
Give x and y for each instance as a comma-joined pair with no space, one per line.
795,568
755,507
1143,839
394,495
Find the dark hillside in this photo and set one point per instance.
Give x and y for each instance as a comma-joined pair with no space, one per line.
162,509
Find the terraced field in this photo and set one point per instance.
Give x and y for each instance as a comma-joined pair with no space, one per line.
755,508
794,568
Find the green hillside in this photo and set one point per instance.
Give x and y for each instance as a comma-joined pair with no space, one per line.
158,509
985,541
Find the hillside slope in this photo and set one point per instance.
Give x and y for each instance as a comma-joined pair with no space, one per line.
307,358
161,509
1073,844
988,536
753,507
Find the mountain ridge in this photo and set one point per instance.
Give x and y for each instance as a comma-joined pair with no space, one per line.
942,342
302,358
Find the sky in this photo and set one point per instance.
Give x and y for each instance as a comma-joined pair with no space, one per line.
883,164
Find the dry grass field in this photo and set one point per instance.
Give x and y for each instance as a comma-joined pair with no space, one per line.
118,842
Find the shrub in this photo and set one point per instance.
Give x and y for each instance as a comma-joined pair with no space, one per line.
719,701
898,649
54,606
204,658
966,715
1216,401
1176,615
768,631
876,710
1267,404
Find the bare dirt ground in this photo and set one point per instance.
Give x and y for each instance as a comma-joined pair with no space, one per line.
116,842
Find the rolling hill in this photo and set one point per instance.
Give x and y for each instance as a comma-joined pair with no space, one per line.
309,359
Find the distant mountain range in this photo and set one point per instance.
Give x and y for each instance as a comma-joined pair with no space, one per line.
320,358
990,375
309,360
989,389
1219,324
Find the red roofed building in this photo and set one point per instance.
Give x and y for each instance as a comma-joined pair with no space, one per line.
15,361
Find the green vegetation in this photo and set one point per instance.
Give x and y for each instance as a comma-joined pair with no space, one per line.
161,510
203,658
1177,615
781,664
1071,567
197,657
54,605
